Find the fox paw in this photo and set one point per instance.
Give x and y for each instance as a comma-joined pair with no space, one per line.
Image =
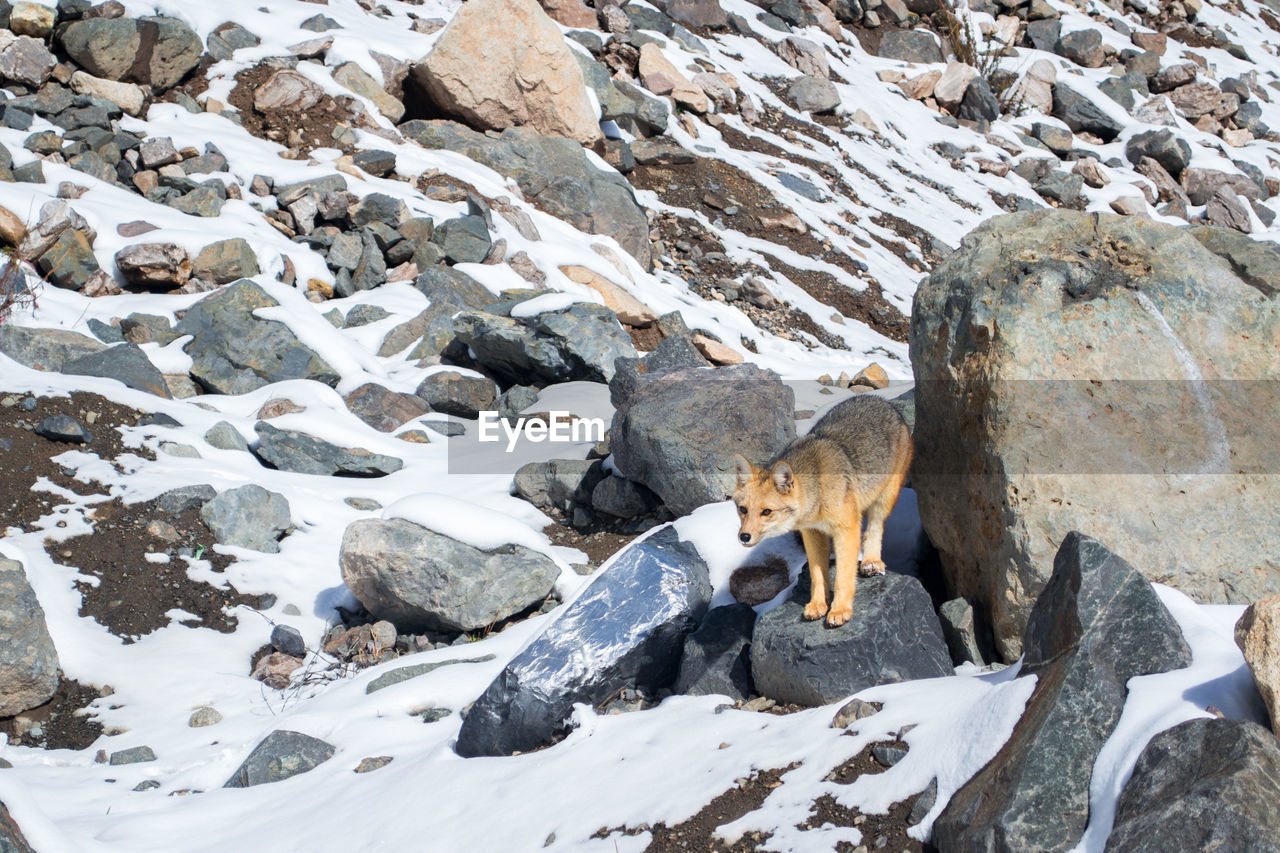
871,568
813,610
838,616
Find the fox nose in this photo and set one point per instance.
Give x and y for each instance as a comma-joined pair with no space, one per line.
744,538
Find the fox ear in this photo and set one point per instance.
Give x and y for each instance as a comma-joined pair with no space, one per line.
783,477
745,469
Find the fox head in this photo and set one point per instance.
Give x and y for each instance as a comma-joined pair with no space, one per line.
768,501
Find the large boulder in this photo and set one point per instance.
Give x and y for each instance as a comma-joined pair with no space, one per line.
1258,636
425,581
125,363
1097,624
555,174
717,656
677,432
28,660
233,351
479,73
11,838
46,349
893,636
1206,784
153,51
625,630
1060,361
248,517
578,342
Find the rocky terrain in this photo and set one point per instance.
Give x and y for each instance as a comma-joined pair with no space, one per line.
371,374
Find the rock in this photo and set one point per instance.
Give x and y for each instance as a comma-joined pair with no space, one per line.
1172,77
1258,636
1226,209
1203,98
559,483
1202,184
1083,47
810,59
1082,115
813,94
759,583
554,174
69,263
383,409
154,265
621,498
1062,187
133,755
224,436
464,240
288,640
979,102
477,72
276,670
229,37
404,673
852,711
290,450
425,581
183,498
628,309
1167,189
280,755
662,78
717,656
626,629
63,428
959,627
454,393
893,636
695,13
45,349
31,19
248,517
661,152
355,78
204,716
1156,309
921,86
26,61
579,342
126,363
1097,624
953,84
1056,139
153,51
662,438
1044,33
234,352
1249,117
226,261
28,660
127,96
287,91
1171,152
907,46
1206,784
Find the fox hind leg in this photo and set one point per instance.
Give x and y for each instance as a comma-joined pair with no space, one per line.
817,547
877,513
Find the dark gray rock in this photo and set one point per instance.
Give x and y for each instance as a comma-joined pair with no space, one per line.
979,102
1173,77
757,583
1249,117
578,342
1170,151
650,113
454,393
559,483
1061,186
1097,624
69,263
234,352
146,328
887,756
812,94
662,438
1206,784
421,580
661,151
910,46
133,755
376,163
379,207
63,428
183,498
224,41
28,660
554,174
1256,262
224,261
1081,114
1056,139
695,13
1044,33
626,629
45,349
404,673
1119,90
1083,47
515,400
621,498
717,656
125,363
960,628
248,517
893,636
288,640
155,51
280,755
676,352
290,450
11,838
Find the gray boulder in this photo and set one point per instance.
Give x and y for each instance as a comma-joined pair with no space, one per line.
383,409
153,51
1170,151
1083,47
717,656
910,46
224,261
1206,784
1081,114
676,352
28,660
183,498
813,94
457,394
893,636
578,342
63,428
625,630
1097,624
665,437
280,755
559,483
425,581
463,240
553,173
45,349
1113,292
126,363
234,352
621,498
248,517
290,450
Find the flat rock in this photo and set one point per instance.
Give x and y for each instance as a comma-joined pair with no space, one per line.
28,660
280,755
909,46
126,363
291,450
578,342
45,349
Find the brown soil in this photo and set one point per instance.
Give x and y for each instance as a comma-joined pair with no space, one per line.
869,305
62,726
306,130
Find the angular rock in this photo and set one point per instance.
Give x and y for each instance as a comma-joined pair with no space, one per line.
155,51
1044,33
226,261
287,91
662,438
276,670
69,263
154,265
1258,636
133,755
1203,98
959,627
227,38
28,660
625,630
1172,77
660,152
63,428
280,755
1081,114
1168,435
127,96
126,363
1201,184
1083,47
893,636
662,78
1097,624
25,60
421,580
813,94
979,102
464,240
383,409
355,78
559,483
477,72
1226,209
810,59
183,498
248,517
952,85
1206,784
454,393
621,498
1170,151
290,450
717,656
45,349
234,352
695,13
908,46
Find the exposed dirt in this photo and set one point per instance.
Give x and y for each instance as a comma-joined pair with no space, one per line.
58,721
312,128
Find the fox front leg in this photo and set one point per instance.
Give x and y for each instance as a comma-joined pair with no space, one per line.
817,547
847,543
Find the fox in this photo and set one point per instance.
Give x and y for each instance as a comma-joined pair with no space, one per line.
851,465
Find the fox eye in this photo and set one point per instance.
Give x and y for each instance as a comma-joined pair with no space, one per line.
742,510
766,511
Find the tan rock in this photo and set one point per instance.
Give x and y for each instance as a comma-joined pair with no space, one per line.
951,86
127,96
921,86
1154,42
570,13
892,75
714,351
1258,636
274,669
1129,206
629,309
31,19
12,229
999,168
278,406
683,91
351,76
1091,171
479,72
1237,138
805,56
287,90
872,376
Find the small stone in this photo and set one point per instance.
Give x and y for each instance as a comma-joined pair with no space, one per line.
204,716
368,765
288,640
853,710
63,428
